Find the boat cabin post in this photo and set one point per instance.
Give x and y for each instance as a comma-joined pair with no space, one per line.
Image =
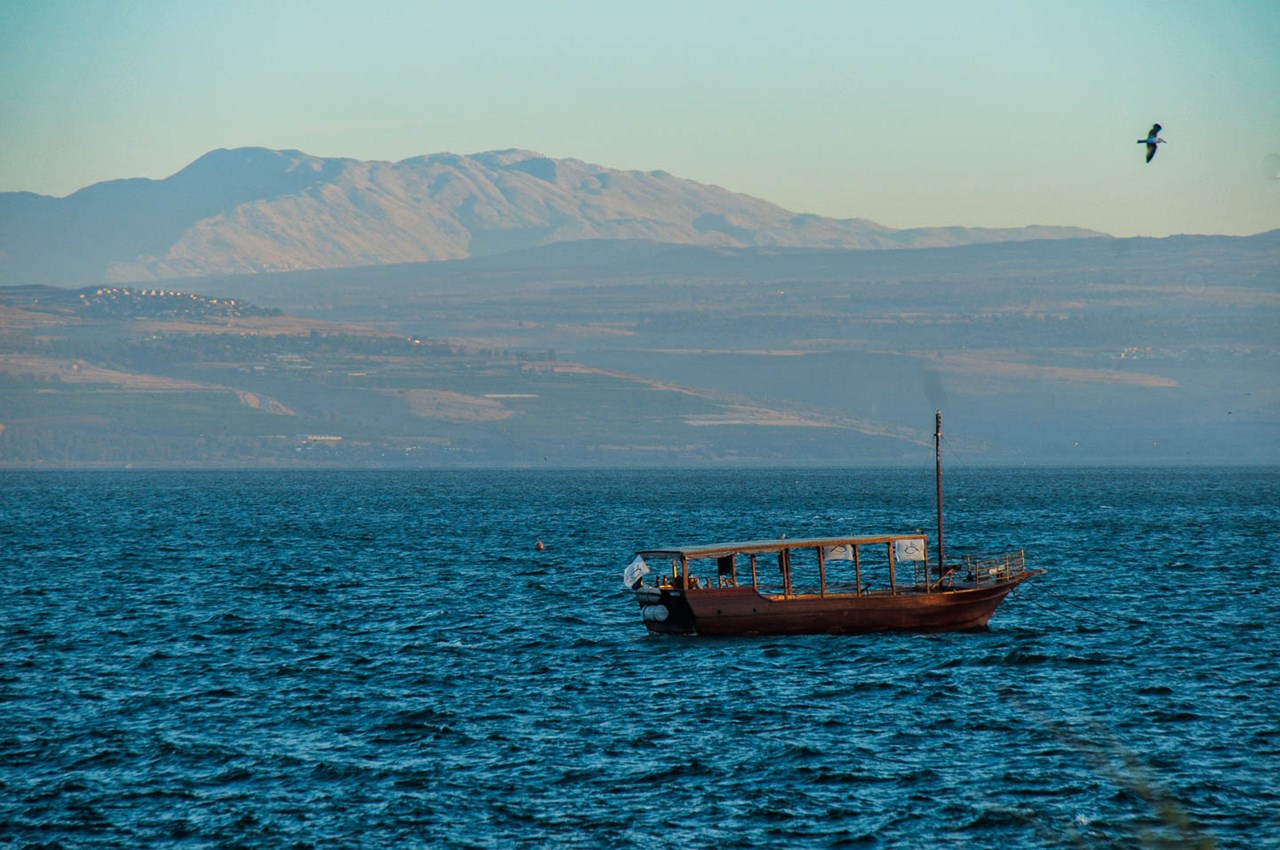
893,572
822,573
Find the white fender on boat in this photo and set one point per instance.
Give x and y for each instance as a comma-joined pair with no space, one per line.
654,613
648,595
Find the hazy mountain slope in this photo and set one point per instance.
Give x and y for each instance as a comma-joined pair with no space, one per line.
995,274
251,210
1088,351
597,353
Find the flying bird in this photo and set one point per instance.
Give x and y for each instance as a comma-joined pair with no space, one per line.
1152,139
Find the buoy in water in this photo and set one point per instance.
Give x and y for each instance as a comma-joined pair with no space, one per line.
539,546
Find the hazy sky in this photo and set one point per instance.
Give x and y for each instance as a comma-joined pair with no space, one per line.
907,113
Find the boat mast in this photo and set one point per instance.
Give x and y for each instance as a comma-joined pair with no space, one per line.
937,449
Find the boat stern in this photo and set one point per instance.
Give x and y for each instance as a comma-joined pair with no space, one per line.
665,610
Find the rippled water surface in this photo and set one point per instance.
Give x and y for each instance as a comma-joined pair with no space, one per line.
382,659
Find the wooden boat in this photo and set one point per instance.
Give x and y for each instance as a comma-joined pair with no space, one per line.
822,585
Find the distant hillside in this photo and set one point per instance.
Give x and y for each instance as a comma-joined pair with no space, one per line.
1078,352
1183,262
253,210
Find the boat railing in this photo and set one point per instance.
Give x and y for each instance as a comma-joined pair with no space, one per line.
989,569
798,589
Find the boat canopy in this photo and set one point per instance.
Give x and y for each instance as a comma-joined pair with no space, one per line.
720,550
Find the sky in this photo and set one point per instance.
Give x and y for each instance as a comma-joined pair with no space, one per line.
906,113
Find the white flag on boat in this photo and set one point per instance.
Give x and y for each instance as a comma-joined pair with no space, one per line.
634,572
843,552
911,549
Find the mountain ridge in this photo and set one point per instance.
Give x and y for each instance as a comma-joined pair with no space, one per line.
253,209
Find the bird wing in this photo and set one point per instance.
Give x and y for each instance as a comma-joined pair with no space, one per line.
1155,131
1151,150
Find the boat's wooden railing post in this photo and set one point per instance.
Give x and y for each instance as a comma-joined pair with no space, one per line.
754,582
822,573
857,567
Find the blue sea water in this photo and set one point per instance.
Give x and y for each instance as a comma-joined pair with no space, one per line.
379,659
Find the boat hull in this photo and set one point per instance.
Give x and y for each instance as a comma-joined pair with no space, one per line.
742,611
